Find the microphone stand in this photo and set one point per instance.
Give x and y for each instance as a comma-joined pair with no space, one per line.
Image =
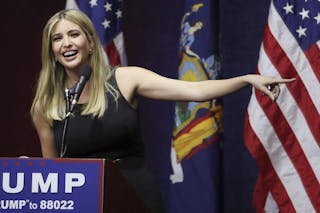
67,96
71,96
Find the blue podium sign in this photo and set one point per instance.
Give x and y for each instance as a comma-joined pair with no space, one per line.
51,185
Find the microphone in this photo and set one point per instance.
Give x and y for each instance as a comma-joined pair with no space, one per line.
85,72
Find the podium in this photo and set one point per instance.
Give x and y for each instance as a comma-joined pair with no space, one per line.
65,185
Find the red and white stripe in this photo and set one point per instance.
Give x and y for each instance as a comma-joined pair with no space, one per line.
284,137
115,51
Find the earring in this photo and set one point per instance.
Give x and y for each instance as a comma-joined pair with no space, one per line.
90,51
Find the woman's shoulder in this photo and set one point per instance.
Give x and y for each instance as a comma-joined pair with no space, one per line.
122,73
126,68
129,71
118,71
125,79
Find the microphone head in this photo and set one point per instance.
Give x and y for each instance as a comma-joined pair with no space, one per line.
85,71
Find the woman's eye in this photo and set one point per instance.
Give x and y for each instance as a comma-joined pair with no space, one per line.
75,34
56,38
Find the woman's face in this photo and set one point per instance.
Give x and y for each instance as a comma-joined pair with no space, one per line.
70,45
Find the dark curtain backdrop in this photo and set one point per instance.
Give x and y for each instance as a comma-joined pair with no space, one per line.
152,33
241,25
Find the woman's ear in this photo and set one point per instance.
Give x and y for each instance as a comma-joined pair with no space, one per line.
91,43
91,46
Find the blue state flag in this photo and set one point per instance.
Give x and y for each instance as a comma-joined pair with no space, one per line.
196,140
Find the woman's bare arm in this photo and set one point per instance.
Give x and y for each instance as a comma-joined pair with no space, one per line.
46,136
149,84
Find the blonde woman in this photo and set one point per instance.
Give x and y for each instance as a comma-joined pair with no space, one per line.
104,123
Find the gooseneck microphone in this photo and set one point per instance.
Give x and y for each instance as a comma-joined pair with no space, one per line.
85,72
72,96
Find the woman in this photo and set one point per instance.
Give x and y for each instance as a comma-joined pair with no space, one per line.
104,123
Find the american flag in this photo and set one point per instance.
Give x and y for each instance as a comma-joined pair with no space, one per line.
106,16
284,137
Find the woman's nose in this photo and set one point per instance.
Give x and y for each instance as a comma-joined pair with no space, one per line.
67,42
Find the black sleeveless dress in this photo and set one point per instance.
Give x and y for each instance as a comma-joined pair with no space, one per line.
116,136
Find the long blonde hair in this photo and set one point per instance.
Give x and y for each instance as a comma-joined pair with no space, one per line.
49,98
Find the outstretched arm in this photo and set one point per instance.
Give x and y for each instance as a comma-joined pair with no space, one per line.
148,84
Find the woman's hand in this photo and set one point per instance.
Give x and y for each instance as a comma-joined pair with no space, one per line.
268,85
